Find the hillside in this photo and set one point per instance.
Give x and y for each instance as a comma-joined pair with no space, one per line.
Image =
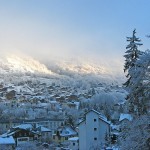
62,69
78,74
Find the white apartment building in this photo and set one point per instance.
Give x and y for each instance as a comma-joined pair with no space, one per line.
93,131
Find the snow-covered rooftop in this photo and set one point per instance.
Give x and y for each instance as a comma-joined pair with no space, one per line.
101,116
67,131
125,116
24,126
43,129
53,102
104,119
73,139
7,140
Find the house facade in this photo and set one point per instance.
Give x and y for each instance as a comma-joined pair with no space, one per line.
74,143
22,134
28,132
93,131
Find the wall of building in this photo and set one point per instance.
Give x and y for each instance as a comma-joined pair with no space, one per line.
92,132
74,145
82,136
92,122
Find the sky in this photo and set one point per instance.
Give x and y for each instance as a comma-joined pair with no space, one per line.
72,28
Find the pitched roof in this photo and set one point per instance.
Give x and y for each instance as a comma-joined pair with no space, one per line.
101,117
24,126
33,128
43,129
67,131
125,116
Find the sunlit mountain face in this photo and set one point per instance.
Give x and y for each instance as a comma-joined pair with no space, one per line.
14,63
87,67
70,69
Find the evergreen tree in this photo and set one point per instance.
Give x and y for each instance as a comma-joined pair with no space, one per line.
140,90
131,56
139,96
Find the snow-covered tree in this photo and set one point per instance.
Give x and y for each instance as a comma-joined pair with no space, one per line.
131,56
136,134
140,87
139,93
72,116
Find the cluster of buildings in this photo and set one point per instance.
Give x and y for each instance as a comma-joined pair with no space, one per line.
42,92
93,131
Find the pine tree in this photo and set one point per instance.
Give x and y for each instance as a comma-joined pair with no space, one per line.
139,96
140,90
131,56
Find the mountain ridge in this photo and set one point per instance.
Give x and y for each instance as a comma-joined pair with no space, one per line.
22,64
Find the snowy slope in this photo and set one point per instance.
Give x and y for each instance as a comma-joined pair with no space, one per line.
63,71
87,69
22,64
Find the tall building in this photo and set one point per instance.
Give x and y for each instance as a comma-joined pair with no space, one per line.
94,131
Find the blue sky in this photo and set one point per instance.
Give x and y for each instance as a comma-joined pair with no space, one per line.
96,28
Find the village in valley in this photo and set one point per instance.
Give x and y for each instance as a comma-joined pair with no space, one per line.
74,75
40,112
63,112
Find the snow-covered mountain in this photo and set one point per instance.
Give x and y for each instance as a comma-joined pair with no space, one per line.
104,72
21,64
27,76
66,70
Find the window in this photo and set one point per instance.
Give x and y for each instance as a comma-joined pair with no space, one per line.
22,139
95,139
94,120
66,138
95,129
